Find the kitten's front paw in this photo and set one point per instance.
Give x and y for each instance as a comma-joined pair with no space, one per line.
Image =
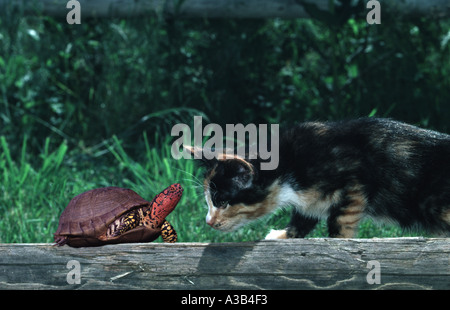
276,234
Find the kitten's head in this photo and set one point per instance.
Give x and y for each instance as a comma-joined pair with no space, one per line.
232,191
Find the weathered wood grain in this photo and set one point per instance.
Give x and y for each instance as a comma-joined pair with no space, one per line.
212,8
405,263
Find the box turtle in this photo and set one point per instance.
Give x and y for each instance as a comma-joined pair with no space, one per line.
117,215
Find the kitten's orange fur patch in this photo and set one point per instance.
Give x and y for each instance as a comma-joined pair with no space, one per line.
231,156
446,216
234,216
352,214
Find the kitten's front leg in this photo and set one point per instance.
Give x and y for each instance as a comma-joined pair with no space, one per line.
298,227
275,234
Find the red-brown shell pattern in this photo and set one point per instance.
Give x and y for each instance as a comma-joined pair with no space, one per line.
162,205
90,213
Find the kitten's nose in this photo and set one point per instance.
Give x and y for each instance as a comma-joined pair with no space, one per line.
210,221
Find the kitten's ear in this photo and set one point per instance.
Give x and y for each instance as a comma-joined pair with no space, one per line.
197,153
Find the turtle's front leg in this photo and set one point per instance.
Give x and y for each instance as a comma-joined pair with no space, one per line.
168,233
127,222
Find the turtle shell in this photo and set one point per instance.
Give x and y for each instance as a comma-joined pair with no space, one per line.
87,217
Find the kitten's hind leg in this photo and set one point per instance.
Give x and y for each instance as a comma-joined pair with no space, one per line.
344,217
298,227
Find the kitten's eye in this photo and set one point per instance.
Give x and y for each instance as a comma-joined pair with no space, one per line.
222,204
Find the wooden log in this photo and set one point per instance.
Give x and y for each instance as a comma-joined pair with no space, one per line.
213,8
404,263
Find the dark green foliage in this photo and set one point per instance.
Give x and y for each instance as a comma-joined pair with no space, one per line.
86,82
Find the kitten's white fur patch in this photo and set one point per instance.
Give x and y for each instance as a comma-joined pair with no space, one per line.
276,234
287,195
308,202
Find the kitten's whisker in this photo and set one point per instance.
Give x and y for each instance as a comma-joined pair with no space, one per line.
198,181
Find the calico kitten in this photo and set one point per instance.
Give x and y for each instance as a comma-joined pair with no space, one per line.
339,171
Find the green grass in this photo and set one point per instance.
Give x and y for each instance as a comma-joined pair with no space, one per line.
34,192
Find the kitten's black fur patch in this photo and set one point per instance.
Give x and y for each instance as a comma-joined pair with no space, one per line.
369,166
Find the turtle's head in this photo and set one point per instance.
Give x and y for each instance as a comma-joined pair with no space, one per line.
175,190
163,203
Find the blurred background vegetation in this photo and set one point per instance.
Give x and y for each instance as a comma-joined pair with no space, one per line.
90,105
